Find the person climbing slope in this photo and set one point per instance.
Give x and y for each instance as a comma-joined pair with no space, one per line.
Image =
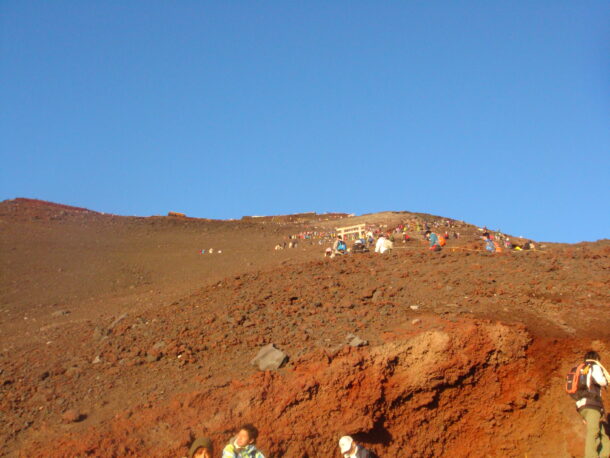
591,376
349,448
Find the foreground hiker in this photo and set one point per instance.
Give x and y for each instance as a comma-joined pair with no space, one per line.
201,448
591,377
242,446
350,449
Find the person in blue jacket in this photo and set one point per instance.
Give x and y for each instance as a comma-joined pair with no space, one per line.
489,243
433,239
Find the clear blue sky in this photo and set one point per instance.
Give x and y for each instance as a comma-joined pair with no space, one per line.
496,113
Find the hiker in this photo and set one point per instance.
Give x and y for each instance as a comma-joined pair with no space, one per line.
383,244
360,246
201,448
242,445
435,244
339,247
529,245
591,408
350,449
489,244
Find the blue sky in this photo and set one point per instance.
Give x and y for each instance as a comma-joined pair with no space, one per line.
496,113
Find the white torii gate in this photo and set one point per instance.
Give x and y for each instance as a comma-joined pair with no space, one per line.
356,231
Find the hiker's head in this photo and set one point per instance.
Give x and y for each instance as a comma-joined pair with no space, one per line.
202,453
201,448
339,237
346,444
247,435
427,234
591,354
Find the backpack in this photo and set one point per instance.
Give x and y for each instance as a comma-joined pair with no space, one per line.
576,381
341,246
441,240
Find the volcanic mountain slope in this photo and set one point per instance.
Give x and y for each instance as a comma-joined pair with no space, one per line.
465,357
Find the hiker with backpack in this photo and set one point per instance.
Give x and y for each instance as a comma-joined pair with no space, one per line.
584,383
339,247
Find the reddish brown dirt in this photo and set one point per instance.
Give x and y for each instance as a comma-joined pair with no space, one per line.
124,321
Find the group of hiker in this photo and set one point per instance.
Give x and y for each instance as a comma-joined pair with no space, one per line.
498,243
584,383
360,245
243,445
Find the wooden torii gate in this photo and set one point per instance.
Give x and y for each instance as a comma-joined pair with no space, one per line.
355,231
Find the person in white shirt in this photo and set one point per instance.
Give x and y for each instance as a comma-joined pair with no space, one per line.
590,406
349,448
383,244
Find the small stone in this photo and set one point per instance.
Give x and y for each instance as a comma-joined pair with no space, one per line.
416,321
71,416
377,295
414,307
153,357
346,303
269,358
60,312
73,370
355,341
117,321
99,333
96,360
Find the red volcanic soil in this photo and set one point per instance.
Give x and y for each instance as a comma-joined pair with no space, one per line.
119,338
